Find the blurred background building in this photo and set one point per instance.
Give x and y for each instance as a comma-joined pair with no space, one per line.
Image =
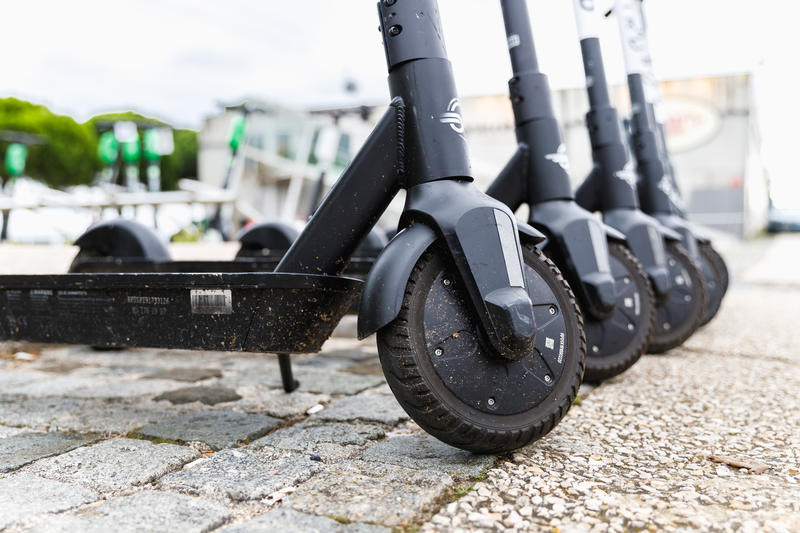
712,134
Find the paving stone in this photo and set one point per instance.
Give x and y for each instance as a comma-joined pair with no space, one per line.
324,363
369,492
37,413
24,497
304,438
218,429
239,475
187,374
206,395
280,404
327,382
17,451
424,452
354,354
6,431
115,418
373,408
154,512
290,521
369,367
91,388
64,367
116,464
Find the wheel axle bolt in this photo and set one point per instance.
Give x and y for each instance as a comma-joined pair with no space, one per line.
672,263
438,351
595,348
552,310
627,281
630,327
548,379
667,325
688,298
490,401
446,282
394,31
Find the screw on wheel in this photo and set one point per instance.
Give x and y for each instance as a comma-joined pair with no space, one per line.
449,380
680,315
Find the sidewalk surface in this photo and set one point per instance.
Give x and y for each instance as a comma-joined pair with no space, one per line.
166,441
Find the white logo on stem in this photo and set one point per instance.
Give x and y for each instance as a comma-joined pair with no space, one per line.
672,193
627,174
560,157
453,117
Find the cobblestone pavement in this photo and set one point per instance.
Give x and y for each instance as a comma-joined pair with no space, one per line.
155,440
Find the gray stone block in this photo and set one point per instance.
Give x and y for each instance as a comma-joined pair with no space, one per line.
22,498
424,452
311,380
280,404
218,429
115,465
19,450
304,438
290,521
191,375
373,408
239,475
369,492
154,512
206,395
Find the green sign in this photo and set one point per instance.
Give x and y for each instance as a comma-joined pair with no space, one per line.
236,131
152,144
131,151
108,148
16,154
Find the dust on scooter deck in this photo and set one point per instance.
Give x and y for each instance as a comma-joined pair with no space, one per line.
253,312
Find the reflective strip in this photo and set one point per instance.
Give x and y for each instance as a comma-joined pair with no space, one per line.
600,247
508,242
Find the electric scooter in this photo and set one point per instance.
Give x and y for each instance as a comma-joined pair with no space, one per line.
677,319
611,188
479,336
710,261
613,290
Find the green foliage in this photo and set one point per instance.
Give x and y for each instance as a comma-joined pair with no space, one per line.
70,155
182,163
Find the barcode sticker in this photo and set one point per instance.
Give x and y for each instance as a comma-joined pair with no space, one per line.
212,302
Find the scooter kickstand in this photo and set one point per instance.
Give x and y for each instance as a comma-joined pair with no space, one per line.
285,362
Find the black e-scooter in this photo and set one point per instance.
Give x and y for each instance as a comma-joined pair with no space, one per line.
479,336
611,286
611,186
709,260
683,312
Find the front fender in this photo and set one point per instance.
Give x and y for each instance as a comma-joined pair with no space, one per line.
383,292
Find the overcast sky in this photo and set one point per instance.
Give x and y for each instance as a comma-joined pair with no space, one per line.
177,59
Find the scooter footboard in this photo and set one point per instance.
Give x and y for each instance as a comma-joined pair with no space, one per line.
286,313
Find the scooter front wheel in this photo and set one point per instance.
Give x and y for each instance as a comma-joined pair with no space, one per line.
450,381
615,344
716,273
681,314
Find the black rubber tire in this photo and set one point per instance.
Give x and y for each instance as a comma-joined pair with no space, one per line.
623,265
722,268
426,398
714,284
81,256
683,326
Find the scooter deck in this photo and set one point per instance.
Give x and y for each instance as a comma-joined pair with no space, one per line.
250,312
358,267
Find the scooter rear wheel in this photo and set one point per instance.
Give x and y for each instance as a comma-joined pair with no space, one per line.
680,315
715,258
615,344
713,284
447,378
